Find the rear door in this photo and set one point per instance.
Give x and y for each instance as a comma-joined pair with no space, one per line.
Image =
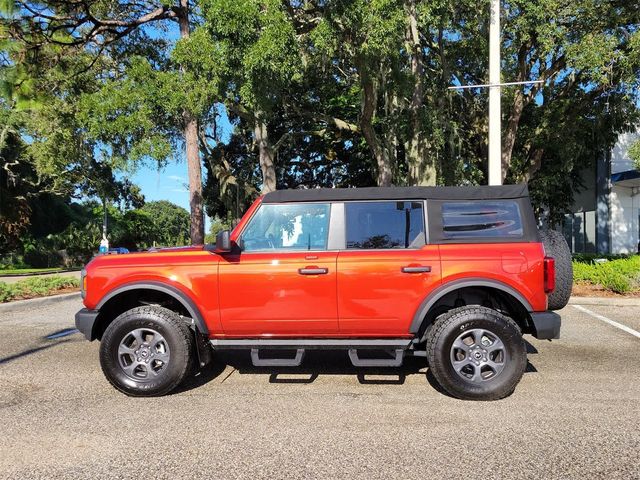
386,268
283,282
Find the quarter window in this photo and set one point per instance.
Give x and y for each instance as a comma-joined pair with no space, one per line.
288,227
499,218
376,225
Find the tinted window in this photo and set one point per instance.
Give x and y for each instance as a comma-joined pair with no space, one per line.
288,227
384,225
500,218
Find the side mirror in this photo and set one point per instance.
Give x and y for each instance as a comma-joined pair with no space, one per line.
223,241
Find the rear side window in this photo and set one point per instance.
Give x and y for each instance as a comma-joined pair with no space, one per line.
377,225
488,219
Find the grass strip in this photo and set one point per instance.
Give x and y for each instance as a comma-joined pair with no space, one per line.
36,287
620,275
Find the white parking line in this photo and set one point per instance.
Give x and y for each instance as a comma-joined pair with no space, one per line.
608,320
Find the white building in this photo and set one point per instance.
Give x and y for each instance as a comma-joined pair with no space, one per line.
606,216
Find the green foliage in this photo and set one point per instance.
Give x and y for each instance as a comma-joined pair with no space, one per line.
171,223
161,223
41,254
217,226
36,287
156,223
619,275
87,106
137,116
634,153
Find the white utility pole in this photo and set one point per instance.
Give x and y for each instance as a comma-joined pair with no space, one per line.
495,139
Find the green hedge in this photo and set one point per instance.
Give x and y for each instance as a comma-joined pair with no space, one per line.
35,287
621,275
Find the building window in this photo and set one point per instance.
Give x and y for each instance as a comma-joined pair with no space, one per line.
579,230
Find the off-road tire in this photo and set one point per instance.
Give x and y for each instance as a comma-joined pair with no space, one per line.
556,246
174,331
449,326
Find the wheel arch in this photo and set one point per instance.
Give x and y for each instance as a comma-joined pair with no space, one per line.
124,297
429,309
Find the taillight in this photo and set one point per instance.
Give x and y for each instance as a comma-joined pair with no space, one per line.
549,274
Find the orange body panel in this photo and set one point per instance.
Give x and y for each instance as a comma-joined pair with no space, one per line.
375,298
363,294
264,294
193,271
518,265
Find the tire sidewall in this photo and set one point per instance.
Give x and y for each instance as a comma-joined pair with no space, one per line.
504,382
109,361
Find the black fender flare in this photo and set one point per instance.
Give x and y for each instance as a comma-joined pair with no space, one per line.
170,290
449,287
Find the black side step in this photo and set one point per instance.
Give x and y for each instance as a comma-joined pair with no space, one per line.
276,362
394,361
312,343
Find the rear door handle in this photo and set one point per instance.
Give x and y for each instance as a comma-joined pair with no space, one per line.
419,269
313,271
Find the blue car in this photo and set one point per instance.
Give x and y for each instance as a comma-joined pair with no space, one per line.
117,250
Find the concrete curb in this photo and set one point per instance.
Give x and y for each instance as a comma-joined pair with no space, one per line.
607,301
21,305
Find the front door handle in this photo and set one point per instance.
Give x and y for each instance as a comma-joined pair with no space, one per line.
418,269
313,271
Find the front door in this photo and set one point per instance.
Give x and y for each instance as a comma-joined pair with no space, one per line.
283,283
386,269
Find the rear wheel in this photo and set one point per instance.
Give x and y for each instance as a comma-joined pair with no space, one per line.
476,353
147,351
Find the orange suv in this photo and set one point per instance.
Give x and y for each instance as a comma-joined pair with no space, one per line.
453,274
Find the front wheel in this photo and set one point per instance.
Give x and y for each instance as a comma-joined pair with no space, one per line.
146,351
476,353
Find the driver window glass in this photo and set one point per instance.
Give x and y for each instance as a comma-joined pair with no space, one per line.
288,227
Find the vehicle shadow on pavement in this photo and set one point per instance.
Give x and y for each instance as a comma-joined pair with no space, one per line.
325,362
31,351
53,340
201,377
315,364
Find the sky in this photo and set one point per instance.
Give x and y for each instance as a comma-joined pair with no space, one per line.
172,182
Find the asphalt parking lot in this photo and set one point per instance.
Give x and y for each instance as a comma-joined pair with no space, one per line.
575,414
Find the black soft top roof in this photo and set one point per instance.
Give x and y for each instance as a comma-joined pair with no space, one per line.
398,193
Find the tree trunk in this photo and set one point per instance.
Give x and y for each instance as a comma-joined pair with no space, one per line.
194,168
381,154
511,131
517,107
266,152
421,170
535,163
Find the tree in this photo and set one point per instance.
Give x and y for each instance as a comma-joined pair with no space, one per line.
331,93
256,64
97,27
14,187
634,153
171,223
583,51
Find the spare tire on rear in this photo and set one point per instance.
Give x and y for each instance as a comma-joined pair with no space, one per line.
556,246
